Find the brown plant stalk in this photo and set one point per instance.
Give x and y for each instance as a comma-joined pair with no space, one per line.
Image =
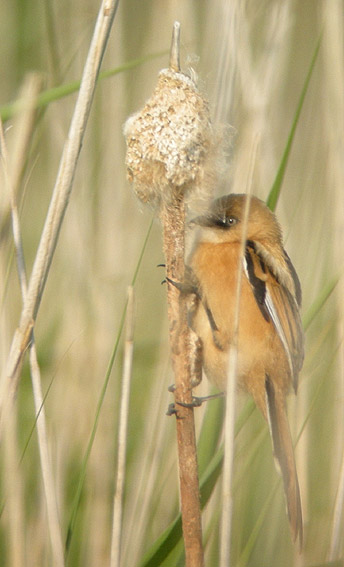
173,221
171,155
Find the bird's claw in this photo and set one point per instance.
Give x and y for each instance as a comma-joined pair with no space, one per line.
171,410
195,403
198,401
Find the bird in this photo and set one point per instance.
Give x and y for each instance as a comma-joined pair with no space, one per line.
270,339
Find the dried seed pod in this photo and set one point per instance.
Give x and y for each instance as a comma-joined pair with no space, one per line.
171,145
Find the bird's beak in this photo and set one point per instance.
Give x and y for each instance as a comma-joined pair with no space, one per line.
202,220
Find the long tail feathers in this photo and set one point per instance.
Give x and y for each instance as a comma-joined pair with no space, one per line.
284,454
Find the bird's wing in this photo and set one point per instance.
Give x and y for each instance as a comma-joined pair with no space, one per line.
277,304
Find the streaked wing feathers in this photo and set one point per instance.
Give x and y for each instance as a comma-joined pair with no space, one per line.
280,304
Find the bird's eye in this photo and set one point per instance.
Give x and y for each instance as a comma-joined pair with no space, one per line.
225,221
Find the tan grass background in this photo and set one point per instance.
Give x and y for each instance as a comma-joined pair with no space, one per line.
252,59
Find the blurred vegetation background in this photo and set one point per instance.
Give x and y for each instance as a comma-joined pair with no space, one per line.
252,59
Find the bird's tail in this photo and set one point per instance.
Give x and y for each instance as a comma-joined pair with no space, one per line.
284,454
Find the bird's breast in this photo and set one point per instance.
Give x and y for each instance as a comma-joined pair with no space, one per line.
216,267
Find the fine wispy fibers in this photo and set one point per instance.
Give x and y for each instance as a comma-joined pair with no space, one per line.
273,74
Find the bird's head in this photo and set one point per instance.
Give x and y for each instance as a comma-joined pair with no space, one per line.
225,221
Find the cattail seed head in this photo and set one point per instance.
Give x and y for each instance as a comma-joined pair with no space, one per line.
171,144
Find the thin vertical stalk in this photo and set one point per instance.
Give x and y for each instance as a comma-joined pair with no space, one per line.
61,193
14,494
228,461
337,527
122,435
12,181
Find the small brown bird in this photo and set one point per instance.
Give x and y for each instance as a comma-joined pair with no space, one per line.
270,336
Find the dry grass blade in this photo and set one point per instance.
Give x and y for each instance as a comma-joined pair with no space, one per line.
24,130
336,538
227,480
14,510
12,177
62,191
122,436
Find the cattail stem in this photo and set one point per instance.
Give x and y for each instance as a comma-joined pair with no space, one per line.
171,156
172,218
